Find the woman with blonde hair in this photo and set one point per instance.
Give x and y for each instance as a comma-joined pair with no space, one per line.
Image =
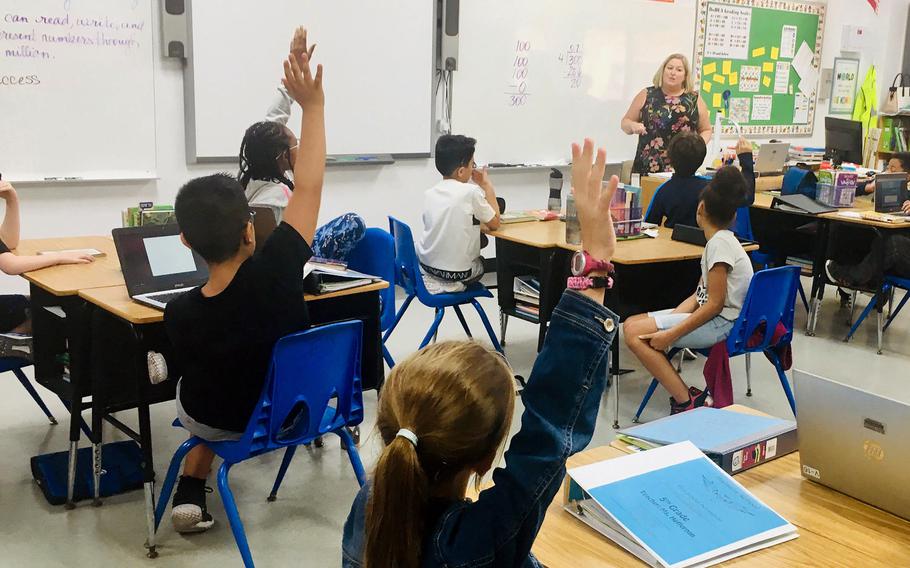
657,113
446,411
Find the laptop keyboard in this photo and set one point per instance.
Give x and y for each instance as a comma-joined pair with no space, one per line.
166,297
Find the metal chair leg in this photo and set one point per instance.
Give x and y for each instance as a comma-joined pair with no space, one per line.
462,321
503,325
852,308
881,322
34,394
644,402
487,326
353,455
282,470
434,329
172,471
748,374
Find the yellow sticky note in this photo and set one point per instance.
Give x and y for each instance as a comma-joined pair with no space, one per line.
726,67
709,68
717,100
734,78
719,79
767,67
766,81
758,52
706,87
774,52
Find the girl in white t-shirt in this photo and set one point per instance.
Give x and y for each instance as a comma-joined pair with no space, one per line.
267,155
706,317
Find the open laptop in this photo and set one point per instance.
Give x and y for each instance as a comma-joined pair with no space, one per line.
890,193
854,441
771,157
157,267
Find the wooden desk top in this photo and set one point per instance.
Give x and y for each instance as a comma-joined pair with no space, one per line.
67,280
549,234
116,300
860,205
834,529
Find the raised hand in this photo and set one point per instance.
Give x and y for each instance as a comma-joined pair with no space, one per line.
743,146
298,43
6,190
305,88
592,200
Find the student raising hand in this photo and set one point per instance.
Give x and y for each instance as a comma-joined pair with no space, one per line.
298,43
305,88
593,201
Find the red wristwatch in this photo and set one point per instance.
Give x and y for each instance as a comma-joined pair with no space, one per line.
584,264
586,282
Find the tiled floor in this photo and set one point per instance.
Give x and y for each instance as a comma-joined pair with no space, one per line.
303,527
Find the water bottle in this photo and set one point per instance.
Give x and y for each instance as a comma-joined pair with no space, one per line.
555,201
573,226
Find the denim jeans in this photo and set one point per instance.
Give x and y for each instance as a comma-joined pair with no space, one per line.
561,402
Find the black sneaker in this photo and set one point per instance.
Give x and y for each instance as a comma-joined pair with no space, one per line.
188,511
697,398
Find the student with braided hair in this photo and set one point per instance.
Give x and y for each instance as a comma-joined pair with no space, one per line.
267,155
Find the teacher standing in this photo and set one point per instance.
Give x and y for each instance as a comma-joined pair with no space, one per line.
660,112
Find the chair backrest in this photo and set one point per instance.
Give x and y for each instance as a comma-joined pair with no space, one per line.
742,226
407,266
375,254
771,299
313,387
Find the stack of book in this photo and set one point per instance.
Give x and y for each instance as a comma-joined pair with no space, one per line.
526,290
147,213
806,154
625,208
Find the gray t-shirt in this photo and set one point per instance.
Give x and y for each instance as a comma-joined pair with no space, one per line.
724,248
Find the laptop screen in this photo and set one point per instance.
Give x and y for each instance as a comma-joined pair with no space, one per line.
154,259
890,192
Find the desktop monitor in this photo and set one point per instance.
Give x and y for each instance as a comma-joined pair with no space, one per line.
843,140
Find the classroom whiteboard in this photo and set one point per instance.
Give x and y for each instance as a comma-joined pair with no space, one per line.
378,59
77,89
757,62
535,75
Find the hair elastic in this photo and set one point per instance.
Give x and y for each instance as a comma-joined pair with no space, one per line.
407,435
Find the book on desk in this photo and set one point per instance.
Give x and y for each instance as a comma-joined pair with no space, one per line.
323,278
673,507
735,441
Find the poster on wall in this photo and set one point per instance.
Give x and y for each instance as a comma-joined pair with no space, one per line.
843,85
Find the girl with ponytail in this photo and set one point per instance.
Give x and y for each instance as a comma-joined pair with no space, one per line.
446,411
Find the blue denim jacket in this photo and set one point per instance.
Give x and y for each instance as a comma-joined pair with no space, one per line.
561,402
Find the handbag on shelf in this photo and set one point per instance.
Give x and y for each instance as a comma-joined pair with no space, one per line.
898,96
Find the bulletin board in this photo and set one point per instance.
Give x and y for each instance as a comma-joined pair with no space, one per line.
757,62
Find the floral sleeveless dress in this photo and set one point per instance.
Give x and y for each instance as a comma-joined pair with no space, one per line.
663,116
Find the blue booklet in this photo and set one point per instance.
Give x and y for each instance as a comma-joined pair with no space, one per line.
674,507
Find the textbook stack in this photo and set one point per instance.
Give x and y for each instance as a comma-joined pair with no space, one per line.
147,213
526,290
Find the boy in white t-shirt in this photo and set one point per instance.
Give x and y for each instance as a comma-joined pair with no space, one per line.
706,317
454,212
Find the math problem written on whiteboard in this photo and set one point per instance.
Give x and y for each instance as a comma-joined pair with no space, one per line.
518,84
572,59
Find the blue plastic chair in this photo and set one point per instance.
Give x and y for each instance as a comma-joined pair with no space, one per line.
889,285
769,301
408,276
742,228
16,364
375,255
312,388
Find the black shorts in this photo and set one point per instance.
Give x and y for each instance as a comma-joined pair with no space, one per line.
14,311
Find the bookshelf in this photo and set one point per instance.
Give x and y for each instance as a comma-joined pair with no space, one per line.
895,135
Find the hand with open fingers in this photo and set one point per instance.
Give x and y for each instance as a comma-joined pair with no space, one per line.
298,44
6,190
906,207
300,82
660,340
481,176
743,146
592,200
73,258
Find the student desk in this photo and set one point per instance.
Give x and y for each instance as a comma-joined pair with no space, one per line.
825,240
834,529
128,330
